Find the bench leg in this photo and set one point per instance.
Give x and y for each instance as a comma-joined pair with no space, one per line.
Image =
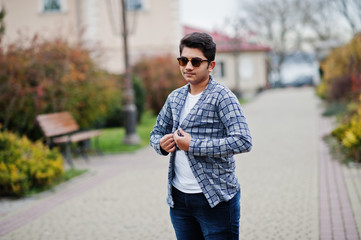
68,155
83,146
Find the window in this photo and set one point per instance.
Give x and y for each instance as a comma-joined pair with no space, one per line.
134,5
52,5
219,70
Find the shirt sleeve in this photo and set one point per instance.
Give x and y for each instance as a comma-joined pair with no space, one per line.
162,127
238,139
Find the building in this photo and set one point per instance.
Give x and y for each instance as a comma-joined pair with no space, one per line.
241,65
152,30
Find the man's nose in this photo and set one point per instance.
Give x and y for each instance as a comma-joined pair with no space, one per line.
189,65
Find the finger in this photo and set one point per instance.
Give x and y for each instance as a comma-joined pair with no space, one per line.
169,143
175,135
183,133
171,148
169,140
165,138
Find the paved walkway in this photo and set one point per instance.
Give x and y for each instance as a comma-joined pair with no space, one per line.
285,187
339,207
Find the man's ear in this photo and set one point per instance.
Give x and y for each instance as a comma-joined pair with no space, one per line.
211,66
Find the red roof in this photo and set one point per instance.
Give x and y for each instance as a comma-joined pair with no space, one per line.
226,43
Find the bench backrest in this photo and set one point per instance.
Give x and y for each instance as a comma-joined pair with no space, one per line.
56,124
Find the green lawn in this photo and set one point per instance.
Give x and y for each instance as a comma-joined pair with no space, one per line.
111,139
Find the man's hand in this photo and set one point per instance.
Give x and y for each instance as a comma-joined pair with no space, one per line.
167,143
182,139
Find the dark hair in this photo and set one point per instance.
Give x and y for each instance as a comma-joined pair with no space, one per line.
202,41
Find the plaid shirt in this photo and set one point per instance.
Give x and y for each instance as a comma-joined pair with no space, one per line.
218,129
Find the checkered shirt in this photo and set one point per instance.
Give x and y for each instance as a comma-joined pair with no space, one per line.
218,129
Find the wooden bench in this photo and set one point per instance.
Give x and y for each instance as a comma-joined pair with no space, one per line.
61,128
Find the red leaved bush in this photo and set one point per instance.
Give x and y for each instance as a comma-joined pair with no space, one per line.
160,76
46,76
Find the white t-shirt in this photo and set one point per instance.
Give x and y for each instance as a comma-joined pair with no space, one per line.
184,179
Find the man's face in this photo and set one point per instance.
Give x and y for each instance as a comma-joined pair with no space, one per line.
195,75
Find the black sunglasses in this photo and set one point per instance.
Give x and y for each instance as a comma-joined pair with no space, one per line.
196,62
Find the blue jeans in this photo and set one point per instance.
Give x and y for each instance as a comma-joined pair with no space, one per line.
193,218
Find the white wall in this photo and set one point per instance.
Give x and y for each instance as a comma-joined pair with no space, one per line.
245,71
154,30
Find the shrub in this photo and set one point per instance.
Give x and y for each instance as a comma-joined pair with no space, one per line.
342,72
44,76
160,75
342,84
115,117
24,165
348,133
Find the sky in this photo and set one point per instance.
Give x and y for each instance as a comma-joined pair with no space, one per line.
207,14
212,14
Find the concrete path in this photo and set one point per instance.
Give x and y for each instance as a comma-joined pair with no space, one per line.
123,196
279,177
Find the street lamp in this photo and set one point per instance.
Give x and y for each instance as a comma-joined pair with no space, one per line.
130,110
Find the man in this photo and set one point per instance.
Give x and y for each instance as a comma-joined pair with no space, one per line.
202,125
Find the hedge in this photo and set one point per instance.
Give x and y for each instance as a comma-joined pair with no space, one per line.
44,76
24,164
342,83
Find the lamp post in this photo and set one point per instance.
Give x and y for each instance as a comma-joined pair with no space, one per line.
130,110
